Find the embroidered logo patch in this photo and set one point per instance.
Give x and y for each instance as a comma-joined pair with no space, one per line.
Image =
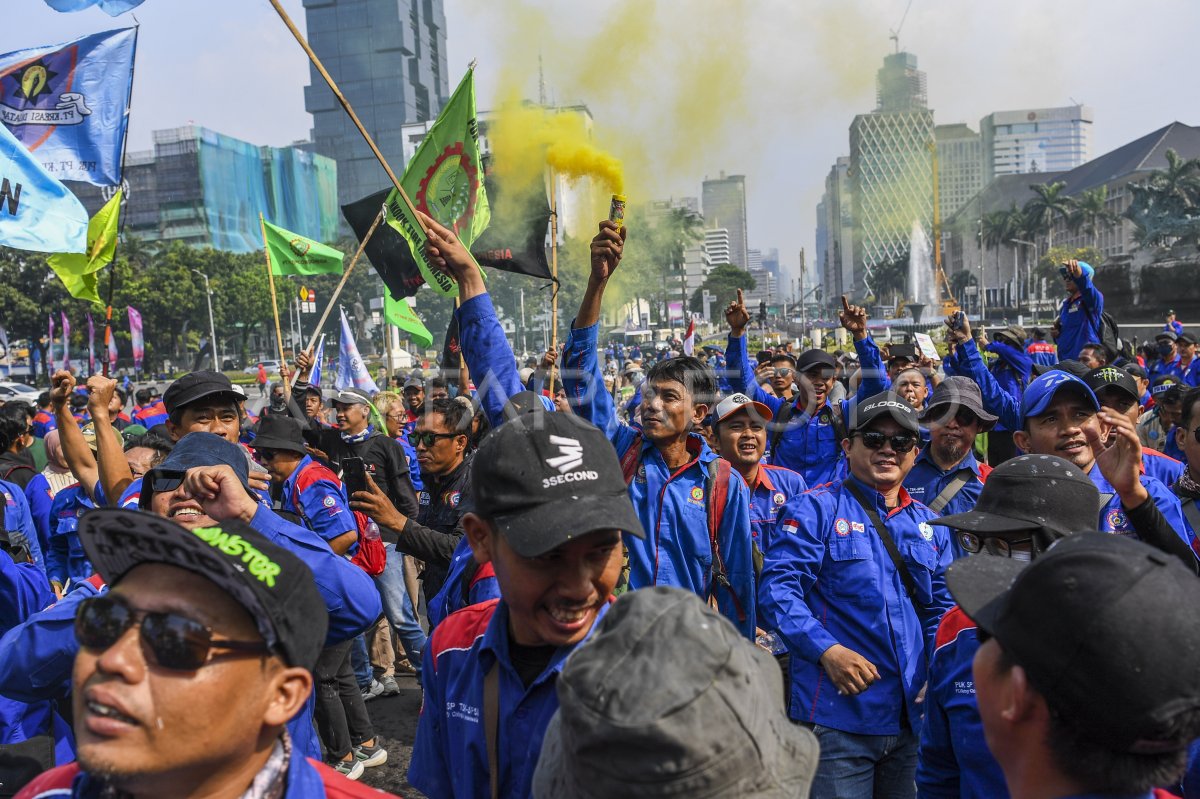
1117,520
842,527
779,499
329,502
926,531
858,527
453,498
697,494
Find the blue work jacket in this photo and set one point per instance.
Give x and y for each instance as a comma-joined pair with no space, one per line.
65,558
450,597
1080,319
773,487
926,481
489,359
317,496
18,521
828,579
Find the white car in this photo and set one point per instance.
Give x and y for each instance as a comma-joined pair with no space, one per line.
272,367
9,391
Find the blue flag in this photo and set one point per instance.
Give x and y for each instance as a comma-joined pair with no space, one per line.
36,211
113,8
314,377
351,371
69,103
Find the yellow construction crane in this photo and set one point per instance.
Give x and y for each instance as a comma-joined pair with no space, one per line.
949,303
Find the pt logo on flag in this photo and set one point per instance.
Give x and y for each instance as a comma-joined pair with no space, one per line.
572,454
33,93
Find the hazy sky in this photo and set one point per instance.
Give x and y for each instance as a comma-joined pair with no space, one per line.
681,89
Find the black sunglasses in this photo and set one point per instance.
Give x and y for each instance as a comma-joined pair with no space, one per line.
873,439
428,439
1001,547
169,640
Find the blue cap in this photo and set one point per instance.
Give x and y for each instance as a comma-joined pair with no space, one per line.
1086,267
1040,393
194,449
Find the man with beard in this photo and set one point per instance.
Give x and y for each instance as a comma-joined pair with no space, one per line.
947,477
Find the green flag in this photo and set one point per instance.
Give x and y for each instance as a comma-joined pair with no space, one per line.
400,314
291,254
78,271
444,179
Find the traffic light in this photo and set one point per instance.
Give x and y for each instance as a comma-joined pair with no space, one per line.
762,312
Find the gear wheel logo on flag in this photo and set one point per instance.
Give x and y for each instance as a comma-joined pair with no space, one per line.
447,192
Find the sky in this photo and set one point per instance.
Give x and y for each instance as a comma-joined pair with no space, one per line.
684,89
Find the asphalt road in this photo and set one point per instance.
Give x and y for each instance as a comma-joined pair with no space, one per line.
395,722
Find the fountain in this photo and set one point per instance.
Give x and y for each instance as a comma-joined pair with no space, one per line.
921,291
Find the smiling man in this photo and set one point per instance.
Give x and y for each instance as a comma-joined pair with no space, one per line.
548,511
853,583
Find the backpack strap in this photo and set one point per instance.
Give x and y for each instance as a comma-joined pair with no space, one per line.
1191,513
630,458
950,491
910,585
716,496
782,416
834,414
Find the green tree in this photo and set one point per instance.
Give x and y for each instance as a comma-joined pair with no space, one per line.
1049,206
1165,208
1091,214
722,282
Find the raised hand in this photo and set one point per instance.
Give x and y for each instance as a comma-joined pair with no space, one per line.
220,493
100,394
1073,268
375,503
549,359
958,328
1119,456
853,319
62,384
607,247
737,316
445,251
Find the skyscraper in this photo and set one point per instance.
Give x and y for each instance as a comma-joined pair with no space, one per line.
716,243
724,204
835,268
1036,140
960,167
891,169
389,60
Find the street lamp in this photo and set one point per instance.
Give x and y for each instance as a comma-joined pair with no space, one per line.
212,328
1027,270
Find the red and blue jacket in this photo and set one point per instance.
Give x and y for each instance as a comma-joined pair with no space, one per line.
43,423
307,778
1115,519
671,505
150,414
772,488
316,495
1162,467
450,597
1042,353
1159,367
828,579
1079,319
810,444
450,757
953,761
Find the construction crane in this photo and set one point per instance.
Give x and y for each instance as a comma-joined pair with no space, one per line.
895,34
949,303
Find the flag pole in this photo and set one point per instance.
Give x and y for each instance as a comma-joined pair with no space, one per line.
312,342
553,273
349,111
287,386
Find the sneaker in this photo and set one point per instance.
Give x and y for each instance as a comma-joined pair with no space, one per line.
390,686
375,690
370,756
351,769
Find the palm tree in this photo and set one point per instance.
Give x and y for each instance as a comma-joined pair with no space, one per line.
1046,208
1091,214
1179,184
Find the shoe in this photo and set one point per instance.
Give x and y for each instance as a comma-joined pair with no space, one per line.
370,756
351,769
406,666
390,686
376,689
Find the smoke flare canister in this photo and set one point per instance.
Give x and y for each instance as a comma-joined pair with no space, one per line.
616,210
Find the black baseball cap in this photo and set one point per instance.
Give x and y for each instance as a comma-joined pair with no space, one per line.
545,478
958,392
193,450
908,351
1167,334
277,431
885,404
274,586
197,386
1112,378
811,359
1186,338
1137,370
1089,623
1055,498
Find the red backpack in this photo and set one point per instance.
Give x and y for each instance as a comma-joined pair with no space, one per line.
371,556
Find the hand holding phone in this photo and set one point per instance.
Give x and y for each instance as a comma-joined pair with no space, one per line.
354,475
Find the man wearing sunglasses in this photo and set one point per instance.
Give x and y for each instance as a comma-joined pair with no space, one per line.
1029,502
853,583
783,375
1080,319
946,476
191,666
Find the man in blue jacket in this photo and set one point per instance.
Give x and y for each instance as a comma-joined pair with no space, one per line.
809,430
190,668
697,540
548,509
953,761
1080,319
854,584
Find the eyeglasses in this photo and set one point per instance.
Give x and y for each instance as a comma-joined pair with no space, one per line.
170,640
428,439
784,371
396,417
995,546
873,439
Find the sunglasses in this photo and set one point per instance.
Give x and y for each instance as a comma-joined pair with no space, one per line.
428,439
170,640
785,371
873,439
995,546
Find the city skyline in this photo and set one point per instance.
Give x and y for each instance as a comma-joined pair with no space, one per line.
809,72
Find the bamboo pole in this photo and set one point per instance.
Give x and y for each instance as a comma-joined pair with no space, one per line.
287,386
553,273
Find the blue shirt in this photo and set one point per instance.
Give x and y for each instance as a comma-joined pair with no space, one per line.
1174,367
488,357
65,558
926,481
1080,319
18,521
450,757
828,579
1162,468
315,494
671,504
450,598
772,488
37,492
1114,519
1042,353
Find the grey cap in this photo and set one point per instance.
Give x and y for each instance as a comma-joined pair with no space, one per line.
353,396
957,392
717,727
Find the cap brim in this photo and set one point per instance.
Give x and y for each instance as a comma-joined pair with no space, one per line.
1078,387
986,420
763,411
210,393
266,442
117,540
543,527
983,522
980,585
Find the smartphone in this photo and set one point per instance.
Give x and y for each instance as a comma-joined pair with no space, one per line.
956,321
354,475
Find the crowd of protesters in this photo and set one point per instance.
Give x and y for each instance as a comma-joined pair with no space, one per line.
617,573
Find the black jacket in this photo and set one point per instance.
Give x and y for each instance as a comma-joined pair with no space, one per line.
384,460
437,528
